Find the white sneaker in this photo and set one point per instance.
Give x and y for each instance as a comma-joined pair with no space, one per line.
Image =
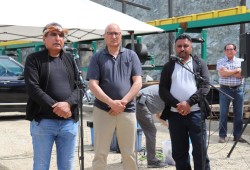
222,140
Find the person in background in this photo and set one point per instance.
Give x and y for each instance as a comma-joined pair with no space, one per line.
50,79
230,80
114,75
182,93
148,104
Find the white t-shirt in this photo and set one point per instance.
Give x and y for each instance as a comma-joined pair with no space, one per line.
183,84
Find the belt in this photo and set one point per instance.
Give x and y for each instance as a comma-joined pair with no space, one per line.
230,87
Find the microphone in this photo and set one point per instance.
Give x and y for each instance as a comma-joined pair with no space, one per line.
86,49
197,40
175,58
65,49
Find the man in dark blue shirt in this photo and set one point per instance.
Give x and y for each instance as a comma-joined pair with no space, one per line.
114,76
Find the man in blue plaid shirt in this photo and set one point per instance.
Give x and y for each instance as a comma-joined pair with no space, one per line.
230,80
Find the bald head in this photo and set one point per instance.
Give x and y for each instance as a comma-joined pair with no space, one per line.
112,26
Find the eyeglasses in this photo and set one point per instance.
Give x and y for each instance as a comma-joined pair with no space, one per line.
230,49
114,33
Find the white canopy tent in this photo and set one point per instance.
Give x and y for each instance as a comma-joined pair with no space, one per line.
86,20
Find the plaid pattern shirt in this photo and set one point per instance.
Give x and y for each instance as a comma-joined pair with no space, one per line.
230,65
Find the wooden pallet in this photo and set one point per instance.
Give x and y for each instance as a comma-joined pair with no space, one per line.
246,110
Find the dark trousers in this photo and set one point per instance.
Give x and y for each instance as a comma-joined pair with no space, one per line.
146,121
182,128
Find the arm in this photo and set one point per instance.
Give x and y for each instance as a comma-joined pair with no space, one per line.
115,105
163,122
98,92
224,72
33,84
137,84
204,86
136,78
36,90
62,109
165,85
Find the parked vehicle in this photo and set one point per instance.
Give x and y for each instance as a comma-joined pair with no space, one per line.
13,95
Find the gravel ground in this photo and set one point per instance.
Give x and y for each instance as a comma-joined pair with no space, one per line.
16,147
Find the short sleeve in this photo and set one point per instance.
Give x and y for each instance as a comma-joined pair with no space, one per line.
93,69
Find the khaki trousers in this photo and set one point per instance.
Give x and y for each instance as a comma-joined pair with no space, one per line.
104,126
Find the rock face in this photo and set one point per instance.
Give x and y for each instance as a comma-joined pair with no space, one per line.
158,45
217,37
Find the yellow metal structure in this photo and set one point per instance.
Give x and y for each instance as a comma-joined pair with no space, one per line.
201,16
13,43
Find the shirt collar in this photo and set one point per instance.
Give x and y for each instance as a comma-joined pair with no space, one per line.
226,58
189,60
121,50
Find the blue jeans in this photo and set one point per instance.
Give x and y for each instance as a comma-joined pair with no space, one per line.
183,128
48,131
238,102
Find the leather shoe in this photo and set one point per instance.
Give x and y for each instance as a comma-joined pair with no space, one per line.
241,140
157,164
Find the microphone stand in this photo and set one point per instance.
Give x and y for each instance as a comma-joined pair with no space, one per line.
200,79
81,88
